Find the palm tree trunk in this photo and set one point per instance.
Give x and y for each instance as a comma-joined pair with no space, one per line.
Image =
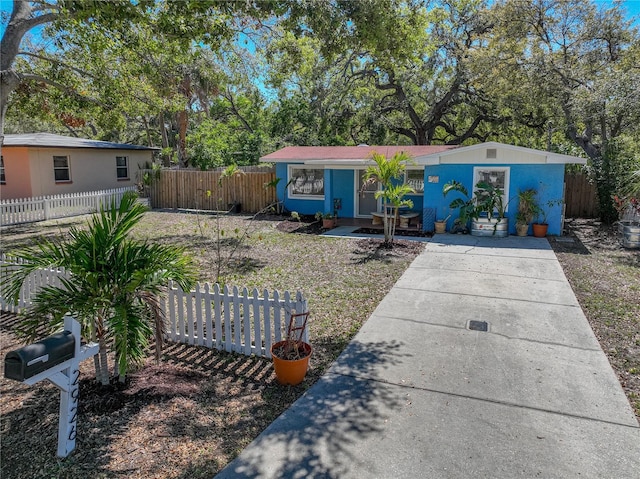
104,366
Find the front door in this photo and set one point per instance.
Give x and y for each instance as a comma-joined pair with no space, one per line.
366,203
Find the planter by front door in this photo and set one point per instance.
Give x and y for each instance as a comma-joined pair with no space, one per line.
540,230
522,230
487,227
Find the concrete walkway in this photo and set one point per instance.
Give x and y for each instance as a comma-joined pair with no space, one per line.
417,394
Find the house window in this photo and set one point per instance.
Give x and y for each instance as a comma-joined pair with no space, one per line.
415,179
3,179
498,177
306,182
61,169
122,167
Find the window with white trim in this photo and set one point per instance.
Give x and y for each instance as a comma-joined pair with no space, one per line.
415,179
3,179
497,176
306,182
122,167
61,170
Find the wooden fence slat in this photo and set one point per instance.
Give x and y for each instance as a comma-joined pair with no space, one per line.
246,321
188,189
207,314
257,322
228,338
237,325
199,321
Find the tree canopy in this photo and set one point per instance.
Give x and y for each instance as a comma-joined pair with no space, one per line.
215,83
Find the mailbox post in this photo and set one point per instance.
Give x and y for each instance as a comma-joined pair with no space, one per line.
57,359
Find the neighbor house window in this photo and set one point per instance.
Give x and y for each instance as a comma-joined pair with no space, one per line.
498,177
306,182
61,169
122,167
3,179
415,179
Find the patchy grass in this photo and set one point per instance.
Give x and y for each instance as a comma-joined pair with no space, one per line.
194,412
606,280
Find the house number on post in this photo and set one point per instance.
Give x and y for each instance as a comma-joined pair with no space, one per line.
56,359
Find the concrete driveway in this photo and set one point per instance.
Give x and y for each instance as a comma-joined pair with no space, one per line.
418,394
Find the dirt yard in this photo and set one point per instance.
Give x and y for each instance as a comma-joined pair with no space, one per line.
606,280
194,412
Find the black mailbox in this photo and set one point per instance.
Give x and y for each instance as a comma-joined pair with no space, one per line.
34,358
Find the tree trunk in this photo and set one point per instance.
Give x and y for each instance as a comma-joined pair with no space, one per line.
103,374
183,120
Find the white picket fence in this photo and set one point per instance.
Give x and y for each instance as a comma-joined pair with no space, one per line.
230,319
34,283
227,319
28,210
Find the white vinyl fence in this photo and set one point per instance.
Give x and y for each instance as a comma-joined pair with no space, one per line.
28,210
229,320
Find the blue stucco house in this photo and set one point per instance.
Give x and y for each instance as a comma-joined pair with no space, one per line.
329,178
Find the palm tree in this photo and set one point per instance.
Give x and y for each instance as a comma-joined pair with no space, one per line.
113,289
387,173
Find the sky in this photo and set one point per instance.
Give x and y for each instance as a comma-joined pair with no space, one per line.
632,7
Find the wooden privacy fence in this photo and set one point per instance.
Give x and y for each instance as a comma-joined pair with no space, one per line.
231,320
28,210
580,196
196,189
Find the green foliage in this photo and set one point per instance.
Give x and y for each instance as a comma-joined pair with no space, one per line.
528,207
387,173
486,201
613,175
114,286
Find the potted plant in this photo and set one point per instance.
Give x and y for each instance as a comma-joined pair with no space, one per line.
528,209
486,209
466,206
329,220
291,356
541,226
441,225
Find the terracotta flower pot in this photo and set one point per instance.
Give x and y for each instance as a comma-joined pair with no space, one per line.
291,371
329,223
540,230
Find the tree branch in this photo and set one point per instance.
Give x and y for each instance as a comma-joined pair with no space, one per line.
61,87
53,60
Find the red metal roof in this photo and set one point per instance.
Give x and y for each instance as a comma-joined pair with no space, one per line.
304,153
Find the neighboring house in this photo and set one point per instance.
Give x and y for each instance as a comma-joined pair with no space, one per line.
329,178
41,164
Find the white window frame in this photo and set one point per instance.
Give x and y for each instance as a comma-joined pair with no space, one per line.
62,168
407,181
294,187
120,167
3,178
479,175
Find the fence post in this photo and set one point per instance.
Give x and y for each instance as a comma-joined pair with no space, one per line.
45,204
